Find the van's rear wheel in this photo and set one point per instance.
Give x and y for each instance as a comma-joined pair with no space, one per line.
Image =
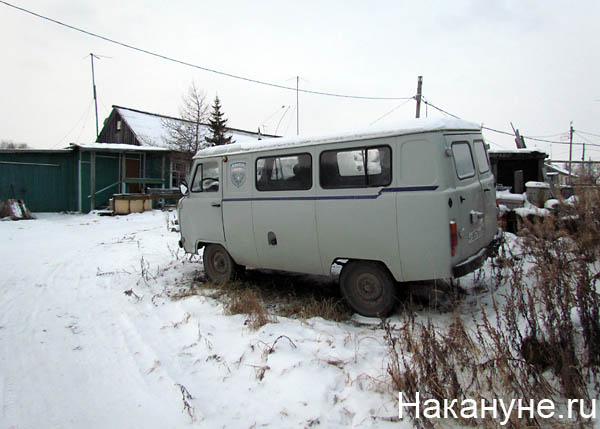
218,264
369,288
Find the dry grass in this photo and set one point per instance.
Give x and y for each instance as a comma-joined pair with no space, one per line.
248,302
287,295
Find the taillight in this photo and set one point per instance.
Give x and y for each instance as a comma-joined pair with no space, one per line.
453,237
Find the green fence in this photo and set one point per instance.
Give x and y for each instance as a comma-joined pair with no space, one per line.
45,180
52,180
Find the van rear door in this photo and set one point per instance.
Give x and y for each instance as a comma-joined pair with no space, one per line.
469,210
486,178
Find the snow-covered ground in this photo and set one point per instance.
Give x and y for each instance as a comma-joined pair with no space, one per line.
77,351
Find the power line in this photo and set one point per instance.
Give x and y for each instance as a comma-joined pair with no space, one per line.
585,139
589,134
512,134
551,135
85,113
391,111
174,60
535,139
495,143
441,110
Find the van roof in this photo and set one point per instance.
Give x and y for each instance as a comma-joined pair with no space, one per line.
412,126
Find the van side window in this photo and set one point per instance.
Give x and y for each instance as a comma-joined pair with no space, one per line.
206,177
482,159
463,160
284,173
356,168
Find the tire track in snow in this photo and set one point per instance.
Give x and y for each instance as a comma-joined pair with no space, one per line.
7,401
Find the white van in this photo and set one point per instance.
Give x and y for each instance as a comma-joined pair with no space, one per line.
391,205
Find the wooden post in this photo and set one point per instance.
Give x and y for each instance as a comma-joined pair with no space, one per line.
92,180
162,171
419,91
123,173
79,181
519,185
570,154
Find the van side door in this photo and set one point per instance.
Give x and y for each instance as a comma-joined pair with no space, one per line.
201,211
283,212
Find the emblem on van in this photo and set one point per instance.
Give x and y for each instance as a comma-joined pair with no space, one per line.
238,173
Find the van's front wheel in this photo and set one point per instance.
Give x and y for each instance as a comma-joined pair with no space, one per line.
218,264
369,288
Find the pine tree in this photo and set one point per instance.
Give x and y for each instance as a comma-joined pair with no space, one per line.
217,126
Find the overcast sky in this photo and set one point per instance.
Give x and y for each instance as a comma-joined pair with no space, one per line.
534,63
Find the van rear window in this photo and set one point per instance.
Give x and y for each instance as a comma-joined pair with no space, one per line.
463,160
480,154
284,173
356,168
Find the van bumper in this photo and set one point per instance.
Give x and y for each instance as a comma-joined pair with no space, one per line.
472,263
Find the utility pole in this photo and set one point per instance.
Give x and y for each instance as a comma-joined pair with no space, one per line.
518,138
419,92
297,106
95,98
570,153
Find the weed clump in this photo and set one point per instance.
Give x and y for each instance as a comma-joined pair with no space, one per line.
248,302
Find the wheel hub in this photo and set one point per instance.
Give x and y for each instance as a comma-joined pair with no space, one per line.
369,287
220,263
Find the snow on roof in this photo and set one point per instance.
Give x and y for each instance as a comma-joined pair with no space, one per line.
515,151
119,147
412,126
151,129
533,184
558,169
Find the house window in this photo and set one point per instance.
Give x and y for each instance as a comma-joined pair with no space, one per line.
356,168
179,172
284,173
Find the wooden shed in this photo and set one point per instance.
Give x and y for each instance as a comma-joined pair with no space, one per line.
513,168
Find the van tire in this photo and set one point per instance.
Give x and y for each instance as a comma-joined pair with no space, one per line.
219,266
369,288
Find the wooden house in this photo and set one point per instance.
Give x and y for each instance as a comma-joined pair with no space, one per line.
139,128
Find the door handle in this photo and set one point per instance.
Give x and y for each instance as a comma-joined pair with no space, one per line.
215,204
476,216
487,190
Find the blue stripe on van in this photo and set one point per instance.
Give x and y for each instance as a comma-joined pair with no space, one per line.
338,197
